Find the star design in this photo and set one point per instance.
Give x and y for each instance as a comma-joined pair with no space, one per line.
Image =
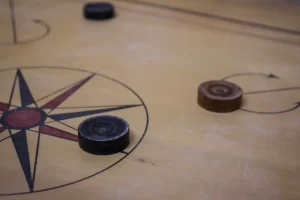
29,115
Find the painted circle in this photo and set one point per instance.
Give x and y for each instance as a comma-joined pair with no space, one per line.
23,118
37,117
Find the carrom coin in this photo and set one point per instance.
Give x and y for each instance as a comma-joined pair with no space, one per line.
219,96
103,135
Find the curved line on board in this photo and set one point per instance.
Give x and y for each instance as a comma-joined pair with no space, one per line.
273,90
47,31
274,112
251,74
36,21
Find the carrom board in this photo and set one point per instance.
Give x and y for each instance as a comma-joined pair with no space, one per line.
145,65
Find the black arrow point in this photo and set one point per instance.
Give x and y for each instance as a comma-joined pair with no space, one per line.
20,142
25,94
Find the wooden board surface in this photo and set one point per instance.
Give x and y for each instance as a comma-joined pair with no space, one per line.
153,55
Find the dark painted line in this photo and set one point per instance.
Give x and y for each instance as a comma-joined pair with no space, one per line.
13,20
54,103
71,115
13,89
272,113
124,152
216,17
55,92
36,21
50,122
228,30
32,130
14,106
275,90
4,138
90,107
251,74
46,33
67,125
36,158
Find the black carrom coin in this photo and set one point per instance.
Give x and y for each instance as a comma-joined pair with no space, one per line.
103,135
98,10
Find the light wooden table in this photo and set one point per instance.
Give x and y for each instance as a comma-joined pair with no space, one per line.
154,54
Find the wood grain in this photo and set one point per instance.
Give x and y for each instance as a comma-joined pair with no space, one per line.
163,55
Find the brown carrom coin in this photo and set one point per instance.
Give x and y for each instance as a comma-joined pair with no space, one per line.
219,96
